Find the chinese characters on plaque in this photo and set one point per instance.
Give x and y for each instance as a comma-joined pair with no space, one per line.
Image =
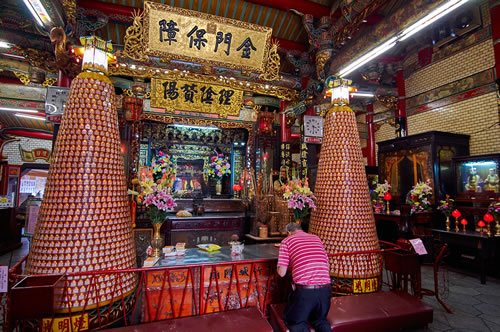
303,153
286,155
196,97
183,34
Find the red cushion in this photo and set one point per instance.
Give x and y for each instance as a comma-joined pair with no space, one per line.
369,312
242,320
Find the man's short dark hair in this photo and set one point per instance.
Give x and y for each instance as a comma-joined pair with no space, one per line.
292,227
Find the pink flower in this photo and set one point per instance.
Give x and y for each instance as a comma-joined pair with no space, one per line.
221,155
219,174
292,204
214,158
300,205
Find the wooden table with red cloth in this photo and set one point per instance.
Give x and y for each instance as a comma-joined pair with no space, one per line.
203,282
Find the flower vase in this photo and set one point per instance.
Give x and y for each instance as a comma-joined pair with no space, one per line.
157,241
448,224
218,187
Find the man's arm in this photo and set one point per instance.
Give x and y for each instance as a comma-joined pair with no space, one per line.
281,271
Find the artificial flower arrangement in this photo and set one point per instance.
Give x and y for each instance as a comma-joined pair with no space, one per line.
494,210
156,185
419,196
447,206
300,197
378,193
218,167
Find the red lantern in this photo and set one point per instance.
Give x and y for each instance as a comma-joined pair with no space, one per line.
457,214
481,223
488,217
387,196
464,222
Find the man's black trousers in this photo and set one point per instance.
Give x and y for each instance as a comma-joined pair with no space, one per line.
308,306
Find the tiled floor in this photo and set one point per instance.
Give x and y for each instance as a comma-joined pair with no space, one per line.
10,259
475,307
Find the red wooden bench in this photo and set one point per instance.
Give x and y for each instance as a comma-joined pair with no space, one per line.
374,312
242,320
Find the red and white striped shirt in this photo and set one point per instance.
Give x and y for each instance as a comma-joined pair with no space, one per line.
306,256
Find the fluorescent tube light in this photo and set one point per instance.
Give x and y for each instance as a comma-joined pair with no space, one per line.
369,56
13,109
4,44
361,94
480,163
12,55
430,18
195,127
30,117
38,11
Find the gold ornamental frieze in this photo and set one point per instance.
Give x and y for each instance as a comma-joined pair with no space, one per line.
187,35
195,96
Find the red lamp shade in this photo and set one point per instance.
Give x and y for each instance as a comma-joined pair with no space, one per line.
464,222
481,223
387,196
237,187
457,214
488,217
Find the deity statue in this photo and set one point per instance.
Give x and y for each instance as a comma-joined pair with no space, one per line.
473,181
491,183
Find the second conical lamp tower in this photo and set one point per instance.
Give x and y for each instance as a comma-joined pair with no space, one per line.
344,217
84,221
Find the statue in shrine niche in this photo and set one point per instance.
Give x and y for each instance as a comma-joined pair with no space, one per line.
473,180
491,183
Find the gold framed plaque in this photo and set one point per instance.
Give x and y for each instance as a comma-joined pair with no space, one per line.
182,34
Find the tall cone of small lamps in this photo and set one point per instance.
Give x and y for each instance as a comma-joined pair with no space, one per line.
84,221
344,217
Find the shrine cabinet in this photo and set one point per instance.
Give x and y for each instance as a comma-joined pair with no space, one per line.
404,161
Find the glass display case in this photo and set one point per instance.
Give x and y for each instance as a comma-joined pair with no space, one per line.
428,156
478,175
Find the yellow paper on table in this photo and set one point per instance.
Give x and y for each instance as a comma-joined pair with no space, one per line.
208,247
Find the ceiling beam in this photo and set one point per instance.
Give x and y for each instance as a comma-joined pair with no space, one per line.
303,6
126,11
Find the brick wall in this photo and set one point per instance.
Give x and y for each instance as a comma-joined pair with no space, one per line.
471,117
466,63
11,150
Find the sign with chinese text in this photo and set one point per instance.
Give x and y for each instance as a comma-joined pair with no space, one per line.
182,34
62,324
31,156
196,97
365,285
313,140
4,278
33,212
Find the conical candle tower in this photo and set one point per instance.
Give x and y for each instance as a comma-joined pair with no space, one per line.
84,221
344,218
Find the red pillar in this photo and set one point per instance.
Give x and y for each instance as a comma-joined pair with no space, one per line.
285,138
401,124
370,143
286,133
495,33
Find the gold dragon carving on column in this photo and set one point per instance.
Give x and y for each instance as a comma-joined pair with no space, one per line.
272,66
134,40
